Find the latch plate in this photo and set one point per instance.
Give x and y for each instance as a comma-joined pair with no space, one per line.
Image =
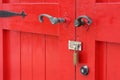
72,45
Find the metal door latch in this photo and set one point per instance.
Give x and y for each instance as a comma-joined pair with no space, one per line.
74,45
80,21
53,20
5,14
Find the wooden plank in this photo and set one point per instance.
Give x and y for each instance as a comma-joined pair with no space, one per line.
11,56
32,56
1,54
38,51
86,34
101,61
107,22
52,59
113,58
26,56
59,62
31,22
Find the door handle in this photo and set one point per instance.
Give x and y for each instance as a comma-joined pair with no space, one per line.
81,21
5,14
53,20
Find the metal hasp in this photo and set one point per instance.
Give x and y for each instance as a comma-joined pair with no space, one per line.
74,45
5,14
84,70
81,21
53,20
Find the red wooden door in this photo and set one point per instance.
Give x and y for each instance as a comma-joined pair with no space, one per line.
30,50
101,42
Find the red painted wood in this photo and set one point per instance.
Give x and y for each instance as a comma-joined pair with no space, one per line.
107,1
0,1
30,23
26,56
31,1
38,58
1,54
109,15
87,37
113,57
53,1
11,55
56,61
101,60
32,56
12,23
116,1
43,46
100,41
10,1
101,1
1,47
109,32
1,24
107,57
52,59
59,60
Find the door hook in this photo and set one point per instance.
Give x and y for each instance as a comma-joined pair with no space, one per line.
53,20
80,21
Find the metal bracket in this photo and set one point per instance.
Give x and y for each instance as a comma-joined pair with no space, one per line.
74,45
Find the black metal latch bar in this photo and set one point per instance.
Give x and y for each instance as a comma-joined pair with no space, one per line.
5,14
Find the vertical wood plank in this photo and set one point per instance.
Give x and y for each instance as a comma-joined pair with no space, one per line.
113,58
59,60
26,56
11,56
1,54
52,59
32,56
1,47
38,57
101,61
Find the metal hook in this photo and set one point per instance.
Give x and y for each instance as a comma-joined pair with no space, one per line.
53,20
79,21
